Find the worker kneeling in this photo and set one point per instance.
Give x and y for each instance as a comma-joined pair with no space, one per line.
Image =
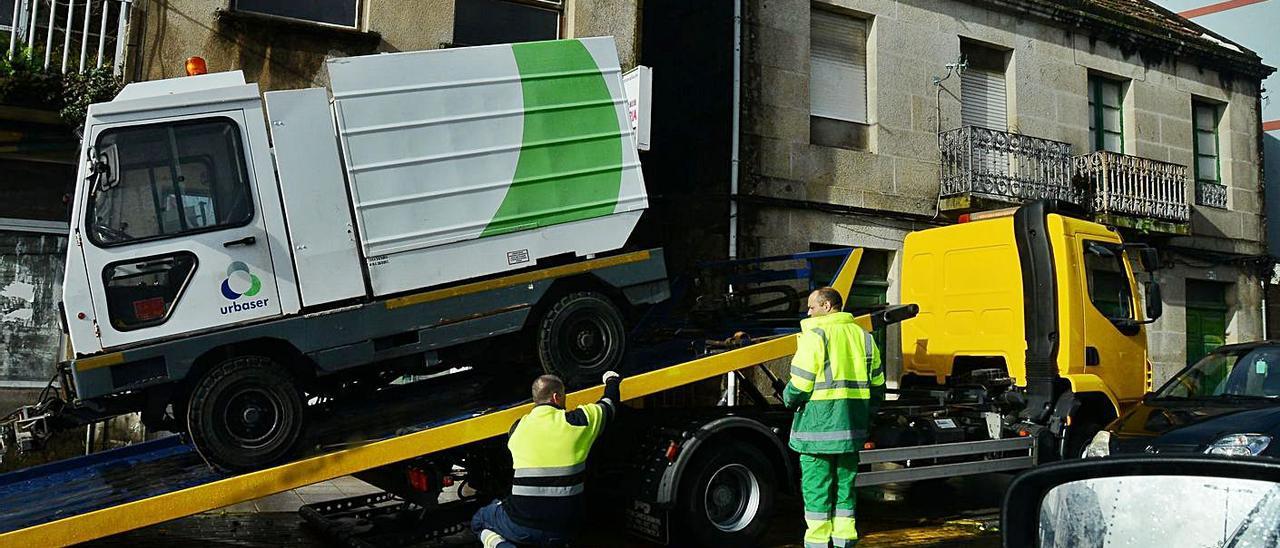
549,448
836,383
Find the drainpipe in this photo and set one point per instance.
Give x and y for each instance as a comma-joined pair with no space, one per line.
737,116
731,382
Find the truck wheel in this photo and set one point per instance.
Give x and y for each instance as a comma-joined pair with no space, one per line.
245,413
726,496
581,337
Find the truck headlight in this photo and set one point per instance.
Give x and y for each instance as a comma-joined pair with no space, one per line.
1239,445
1100,446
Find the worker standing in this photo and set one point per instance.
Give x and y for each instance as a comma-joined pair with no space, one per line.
837,382
549,448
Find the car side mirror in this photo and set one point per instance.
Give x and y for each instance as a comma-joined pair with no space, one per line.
104,167
1152,300
1168,501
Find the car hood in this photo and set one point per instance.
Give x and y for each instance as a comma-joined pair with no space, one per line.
1162,426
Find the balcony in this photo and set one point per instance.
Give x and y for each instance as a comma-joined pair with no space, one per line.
984,168
1136,192
67,36
1211,194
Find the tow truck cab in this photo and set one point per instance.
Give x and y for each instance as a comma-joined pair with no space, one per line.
1037,297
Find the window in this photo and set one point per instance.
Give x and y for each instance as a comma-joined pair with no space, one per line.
1205,125
173,179
983,100
838,67
342,13
6,15
837,80
1106,128
1108,280
142,292
481,22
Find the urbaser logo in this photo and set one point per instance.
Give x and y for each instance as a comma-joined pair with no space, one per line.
241,282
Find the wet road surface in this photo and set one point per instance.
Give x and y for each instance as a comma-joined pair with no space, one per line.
951,513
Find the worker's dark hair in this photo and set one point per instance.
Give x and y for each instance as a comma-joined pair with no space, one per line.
545,386
830,296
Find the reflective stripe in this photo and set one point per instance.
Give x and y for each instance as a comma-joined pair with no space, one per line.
806,375
868,342
817,516
832,385
550,471
843,542
838,435
841,394
842,513
826,353
551,491
815,545
490,539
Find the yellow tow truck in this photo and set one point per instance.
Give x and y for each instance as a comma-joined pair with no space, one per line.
1021,337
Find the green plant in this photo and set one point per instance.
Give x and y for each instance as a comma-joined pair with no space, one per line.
22,60
80,89
25,82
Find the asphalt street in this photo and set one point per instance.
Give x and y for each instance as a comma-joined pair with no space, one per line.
951,513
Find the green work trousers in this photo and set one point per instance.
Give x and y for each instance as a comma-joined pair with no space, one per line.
826,481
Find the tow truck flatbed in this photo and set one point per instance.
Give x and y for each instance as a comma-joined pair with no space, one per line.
82,499
163,480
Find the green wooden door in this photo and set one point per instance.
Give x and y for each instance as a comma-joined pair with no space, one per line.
1206,318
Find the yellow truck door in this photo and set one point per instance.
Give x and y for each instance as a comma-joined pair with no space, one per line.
1112,344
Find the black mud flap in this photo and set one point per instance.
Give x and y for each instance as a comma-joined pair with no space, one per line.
648,521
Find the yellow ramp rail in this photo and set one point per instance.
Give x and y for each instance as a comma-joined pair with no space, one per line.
217,494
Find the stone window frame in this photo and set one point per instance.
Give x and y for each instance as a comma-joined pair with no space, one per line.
357,25
562,9
1098,109
1218,109
839,133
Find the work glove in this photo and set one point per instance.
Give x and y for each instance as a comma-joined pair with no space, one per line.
608,375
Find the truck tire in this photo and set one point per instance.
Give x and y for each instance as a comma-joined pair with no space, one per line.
245,413
726,496
580,337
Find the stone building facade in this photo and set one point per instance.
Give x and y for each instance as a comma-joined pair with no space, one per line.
283,45
852,136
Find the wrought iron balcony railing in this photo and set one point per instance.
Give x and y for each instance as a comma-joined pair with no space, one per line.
69,35
1211,194
1135,187
1004,166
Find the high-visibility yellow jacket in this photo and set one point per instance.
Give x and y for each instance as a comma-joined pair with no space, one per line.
837,382
549,449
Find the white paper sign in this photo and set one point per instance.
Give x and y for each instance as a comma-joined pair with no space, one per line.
637,84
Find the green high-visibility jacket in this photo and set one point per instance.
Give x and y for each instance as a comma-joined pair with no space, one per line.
837,382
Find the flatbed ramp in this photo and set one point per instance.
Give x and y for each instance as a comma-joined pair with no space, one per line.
90,497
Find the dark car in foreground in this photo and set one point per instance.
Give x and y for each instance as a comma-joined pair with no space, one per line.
1225,404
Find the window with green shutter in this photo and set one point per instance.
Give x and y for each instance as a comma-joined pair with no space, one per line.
1106,124
1205,126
